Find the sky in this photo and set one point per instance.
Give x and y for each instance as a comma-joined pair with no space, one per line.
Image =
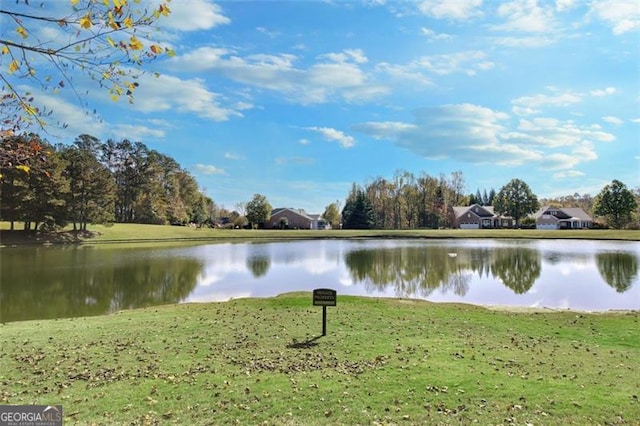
298,100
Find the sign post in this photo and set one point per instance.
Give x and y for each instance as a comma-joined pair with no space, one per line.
324,297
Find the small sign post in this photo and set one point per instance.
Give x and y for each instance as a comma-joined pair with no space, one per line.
324,297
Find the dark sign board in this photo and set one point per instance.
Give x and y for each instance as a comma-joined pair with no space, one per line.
324,297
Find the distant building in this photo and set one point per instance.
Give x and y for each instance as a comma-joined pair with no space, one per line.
562,218
476,216
290,218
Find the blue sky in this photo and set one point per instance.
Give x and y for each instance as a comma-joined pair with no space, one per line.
297,100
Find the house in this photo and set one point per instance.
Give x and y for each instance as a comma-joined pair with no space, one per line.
290,218
562,218
478,217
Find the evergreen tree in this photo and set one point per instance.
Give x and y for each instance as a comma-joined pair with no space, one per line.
358,211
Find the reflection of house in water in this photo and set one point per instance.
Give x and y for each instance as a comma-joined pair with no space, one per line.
562,218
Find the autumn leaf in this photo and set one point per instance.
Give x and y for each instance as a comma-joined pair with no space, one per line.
23,168
156,49
85,22
164,10
14,66
22,32
74,2
5,50
135,44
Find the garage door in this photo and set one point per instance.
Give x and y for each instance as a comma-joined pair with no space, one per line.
546,227
469,226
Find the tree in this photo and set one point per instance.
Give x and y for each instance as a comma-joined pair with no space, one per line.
91,193
358,212
258,211
515,199
107,41
615,202
332,214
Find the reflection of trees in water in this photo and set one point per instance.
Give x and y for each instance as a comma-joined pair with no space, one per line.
618,269
55,283
517,268
258,265
410,270
419,271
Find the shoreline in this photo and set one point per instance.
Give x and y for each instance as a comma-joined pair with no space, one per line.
159,234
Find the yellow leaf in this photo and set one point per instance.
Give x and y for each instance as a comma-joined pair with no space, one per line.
118,3
164,10
23,168
106,75
111,42
105,2
22,32
74,2
85,22
128,22
170,52
135,43
5,50
14,66
114,98
155,49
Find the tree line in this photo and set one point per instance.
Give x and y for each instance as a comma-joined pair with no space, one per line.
90,181
407,201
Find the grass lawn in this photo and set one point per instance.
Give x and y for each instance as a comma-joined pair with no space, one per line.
131,233
255,361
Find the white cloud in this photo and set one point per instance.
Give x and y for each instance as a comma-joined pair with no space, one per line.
404,73
603,92
137,132
612,120
621,16
480,135
194,15
525,16
524,42
432,35
232,156
166,93
562,5
335,75
533,103
330,134
467,62
447,9
567,174
208,169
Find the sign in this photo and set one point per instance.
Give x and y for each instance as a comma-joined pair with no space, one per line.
324,297
29,415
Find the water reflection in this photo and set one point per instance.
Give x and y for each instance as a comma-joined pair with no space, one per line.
63,282
418,271
56,283
618,269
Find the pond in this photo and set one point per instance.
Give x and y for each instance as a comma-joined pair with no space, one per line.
57,282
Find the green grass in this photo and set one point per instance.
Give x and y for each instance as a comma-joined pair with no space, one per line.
255,361
129,233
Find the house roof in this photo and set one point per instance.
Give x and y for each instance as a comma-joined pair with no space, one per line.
299,212
570,212
476,209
